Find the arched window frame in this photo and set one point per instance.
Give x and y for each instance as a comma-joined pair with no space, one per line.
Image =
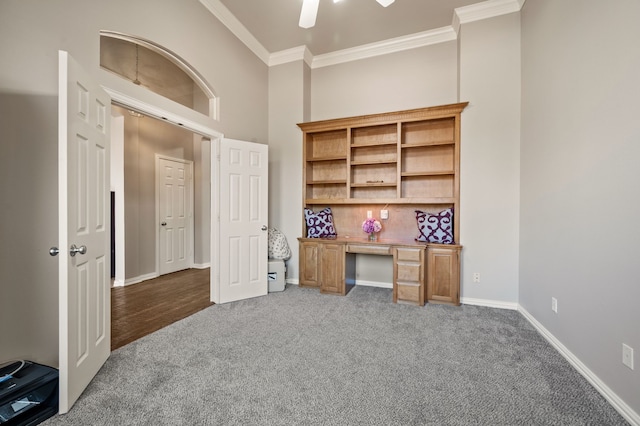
214,100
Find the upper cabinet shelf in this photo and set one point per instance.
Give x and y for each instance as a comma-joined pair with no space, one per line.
403,157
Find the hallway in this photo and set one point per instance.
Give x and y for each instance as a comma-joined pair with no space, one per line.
141,309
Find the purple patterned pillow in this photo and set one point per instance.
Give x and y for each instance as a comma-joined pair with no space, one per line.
435,228
320,225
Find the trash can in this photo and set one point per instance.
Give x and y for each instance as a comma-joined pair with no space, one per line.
276,275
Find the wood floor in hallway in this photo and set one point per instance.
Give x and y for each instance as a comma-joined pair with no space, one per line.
141,309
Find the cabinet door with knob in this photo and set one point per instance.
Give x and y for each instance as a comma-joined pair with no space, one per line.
309,264
443,273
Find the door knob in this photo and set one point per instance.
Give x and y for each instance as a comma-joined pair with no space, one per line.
164,224
73,250
264,227
53,251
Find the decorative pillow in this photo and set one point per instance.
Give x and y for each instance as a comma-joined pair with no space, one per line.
278,247
435,228
320,225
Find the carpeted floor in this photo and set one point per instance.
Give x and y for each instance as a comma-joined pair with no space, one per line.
302,358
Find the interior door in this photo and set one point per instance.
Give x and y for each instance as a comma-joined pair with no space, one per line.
83,211
243,220
174,214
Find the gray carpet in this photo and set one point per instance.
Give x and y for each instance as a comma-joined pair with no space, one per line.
302,358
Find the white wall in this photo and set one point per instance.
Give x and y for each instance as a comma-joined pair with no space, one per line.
31,33
489,159
580,198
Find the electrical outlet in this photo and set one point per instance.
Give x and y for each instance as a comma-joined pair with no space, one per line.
627,356
476,277
384,214
369,214
554,305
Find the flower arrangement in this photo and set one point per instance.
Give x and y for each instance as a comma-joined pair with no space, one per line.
371,226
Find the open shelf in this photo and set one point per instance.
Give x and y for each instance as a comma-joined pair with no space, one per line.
405,158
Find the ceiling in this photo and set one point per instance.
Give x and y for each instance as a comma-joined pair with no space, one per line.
343,25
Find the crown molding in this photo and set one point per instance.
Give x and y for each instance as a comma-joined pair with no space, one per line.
291,55
231,22
398,44
462,15
484,10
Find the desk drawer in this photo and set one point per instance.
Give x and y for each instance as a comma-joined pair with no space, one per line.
383,250
409,254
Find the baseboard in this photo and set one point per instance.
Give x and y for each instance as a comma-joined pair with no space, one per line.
618,404
201,265
378,284
489,303
621,407
140,278
117,283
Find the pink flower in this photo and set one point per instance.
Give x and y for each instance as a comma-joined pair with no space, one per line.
371,225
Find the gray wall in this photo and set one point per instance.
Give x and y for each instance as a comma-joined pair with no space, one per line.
31,33
289,86
411,79
489,159
579,180
559,209
415,78
143,139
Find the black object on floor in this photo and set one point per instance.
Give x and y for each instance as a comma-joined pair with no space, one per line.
28,393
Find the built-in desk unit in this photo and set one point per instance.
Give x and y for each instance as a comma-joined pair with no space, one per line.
421,271
398,161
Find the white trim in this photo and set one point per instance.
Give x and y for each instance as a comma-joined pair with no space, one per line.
293,281
378,284
621,407
461,15
140,278
153,111
398,44
231,22
484,10
291,55
127,101
499,304
214,272
118,283
201,265
117,185
616,402
214,101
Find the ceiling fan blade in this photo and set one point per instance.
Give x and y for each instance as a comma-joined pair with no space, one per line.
308,13
385,3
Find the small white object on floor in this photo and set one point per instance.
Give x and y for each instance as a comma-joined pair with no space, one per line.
276,275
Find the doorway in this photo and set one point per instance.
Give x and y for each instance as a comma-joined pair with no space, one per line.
141,140
137,141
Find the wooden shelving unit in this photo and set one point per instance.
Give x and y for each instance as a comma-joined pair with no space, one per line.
406,159
399,158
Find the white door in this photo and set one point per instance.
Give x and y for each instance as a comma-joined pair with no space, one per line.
174,178
83,211
243,220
